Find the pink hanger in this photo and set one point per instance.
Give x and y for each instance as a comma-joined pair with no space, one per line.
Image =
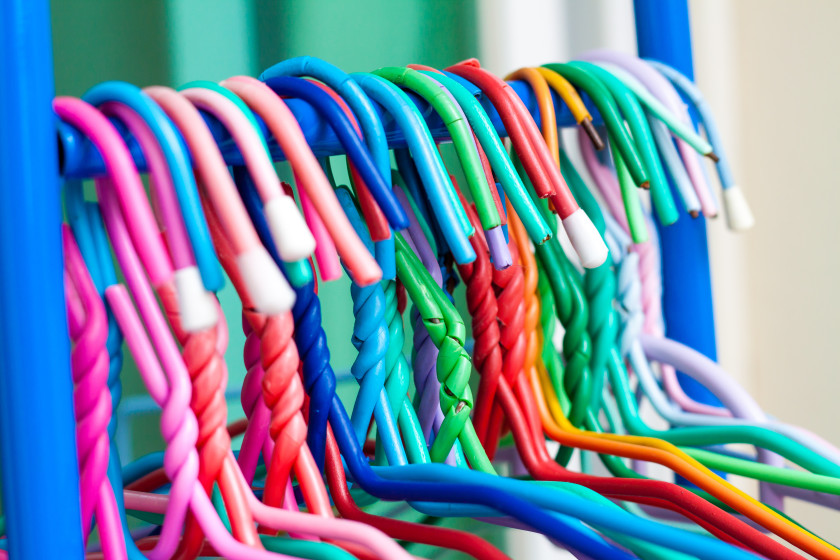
199,309
309,174
89,330
292,238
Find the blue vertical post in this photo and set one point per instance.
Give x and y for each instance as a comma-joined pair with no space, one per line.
37,434
663,33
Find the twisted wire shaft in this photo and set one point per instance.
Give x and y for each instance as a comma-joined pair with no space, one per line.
572,310
599,284
487,354
282,391
371,338
630,306
256,437
398,380
208,377
426,384
318,376
509,285
92,405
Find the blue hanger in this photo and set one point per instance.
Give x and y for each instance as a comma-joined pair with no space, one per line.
178,160
365,113
398,104
328,109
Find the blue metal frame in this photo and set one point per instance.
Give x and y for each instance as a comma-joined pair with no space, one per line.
663,33
37,426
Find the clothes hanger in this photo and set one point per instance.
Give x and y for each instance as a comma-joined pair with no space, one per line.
550,181
568,94
288,134
359,468
215,178
326,107
744,403
465,146
257,145
436,181
177,160
259,274
363,109
552,431
294,241
738,214
661,197
660,91
267,516
89,232
499,160
504,386
180,424
89,330
602,436
284,394
265,284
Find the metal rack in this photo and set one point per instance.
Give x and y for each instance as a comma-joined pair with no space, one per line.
37,436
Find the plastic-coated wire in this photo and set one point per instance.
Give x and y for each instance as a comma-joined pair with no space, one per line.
460,131
749,504
487,354
178,162
309,331
738,214
199,309
497,156
295,242
435,179
357,450
425,353
664,92
695,96
534,345
290,137
437,536
600,298
275,518
557,274
363,109
384,246
567,93
331,112
89,331
660,193
523,132
89,232
606,105
680,129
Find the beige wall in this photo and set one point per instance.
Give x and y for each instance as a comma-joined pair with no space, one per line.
777,61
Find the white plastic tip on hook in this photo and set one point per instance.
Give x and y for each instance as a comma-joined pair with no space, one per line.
268,289
739,217
289,231
588,243
197,309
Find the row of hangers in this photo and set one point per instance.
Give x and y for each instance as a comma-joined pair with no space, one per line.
567,334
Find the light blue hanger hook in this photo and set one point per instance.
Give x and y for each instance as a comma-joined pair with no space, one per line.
178,160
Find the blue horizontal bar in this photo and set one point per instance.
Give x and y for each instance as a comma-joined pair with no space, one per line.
82,160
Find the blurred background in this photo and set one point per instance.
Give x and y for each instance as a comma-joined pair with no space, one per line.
775,313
